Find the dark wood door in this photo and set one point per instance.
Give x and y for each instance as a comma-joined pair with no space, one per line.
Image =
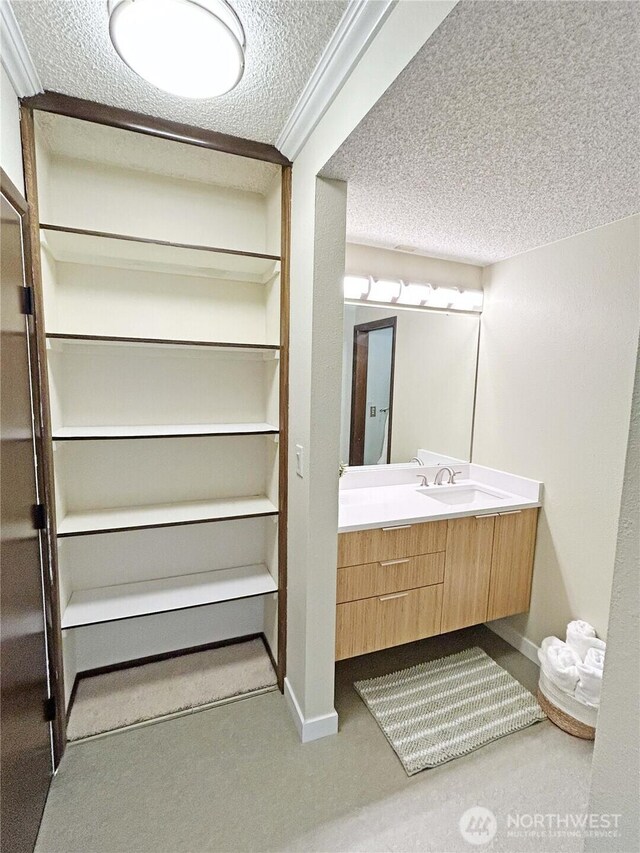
26,735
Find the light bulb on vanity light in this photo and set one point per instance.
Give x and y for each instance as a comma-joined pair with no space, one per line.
385,290
442,297
469,300
356,286
414,294
190,48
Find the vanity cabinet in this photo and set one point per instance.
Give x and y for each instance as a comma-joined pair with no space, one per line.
407,582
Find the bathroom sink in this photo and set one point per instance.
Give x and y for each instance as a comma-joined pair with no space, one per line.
471,496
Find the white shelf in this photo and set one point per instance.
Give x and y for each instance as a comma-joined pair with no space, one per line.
139,253
161,431
163,515
109,603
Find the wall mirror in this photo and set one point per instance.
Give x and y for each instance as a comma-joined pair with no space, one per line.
409,379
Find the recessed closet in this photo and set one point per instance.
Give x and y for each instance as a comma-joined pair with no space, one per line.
164,290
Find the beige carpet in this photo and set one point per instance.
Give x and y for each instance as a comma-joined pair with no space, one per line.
141,693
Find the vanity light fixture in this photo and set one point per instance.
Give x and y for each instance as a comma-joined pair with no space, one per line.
413,295
190,48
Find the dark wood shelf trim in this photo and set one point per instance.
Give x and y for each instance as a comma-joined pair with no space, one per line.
166,524
171,610
162,435
42,421
114,339
109,235
79,108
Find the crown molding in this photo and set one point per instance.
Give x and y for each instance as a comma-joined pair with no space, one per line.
16,58
359,24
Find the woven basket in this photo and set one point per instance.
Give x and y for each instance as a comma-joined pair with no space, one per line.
565,721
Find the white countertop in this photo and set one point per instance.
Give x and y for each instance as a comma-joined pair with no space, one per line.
393,496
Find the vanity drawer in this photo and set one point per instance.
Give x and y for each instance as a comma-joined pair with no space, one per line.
389,543
379,578
376,623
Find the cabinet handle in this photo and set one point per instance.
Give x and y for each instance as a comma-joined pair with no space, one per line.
489,515
397,527
511,512
394,562
395,595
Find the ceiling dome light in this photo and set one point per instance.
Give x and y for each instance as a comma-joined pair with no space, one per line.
190,48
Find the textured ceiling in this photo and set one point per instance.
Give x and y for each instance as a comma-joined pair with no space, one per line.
517,124
69,43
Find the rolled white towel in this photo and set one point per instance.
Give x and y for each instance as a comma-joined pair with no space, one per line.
595,658
559,663
581,637
590,678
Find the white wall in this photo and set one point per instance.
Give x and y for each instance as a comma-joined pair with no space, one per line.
615,782
387,263
316,330
126,201
557,355
435,375
10,145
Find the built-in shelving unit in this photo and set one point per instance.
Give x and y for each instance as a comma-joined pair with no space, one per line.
161,276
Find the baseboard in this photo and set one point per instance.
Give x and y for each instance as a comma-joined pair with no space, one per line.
509,634
312,728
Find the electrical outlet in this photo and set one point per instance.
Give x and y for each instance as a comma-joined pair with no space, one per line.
299,460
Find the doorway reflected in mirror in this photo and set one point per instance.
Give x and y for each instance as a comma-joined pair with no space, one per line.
374,345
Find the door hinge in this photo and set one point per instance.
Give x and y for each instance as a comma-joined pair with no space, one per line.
27,300
39,517
49,709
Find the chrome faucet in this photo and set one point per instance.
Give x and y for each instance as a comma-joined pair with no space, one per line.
415,459
423,477
437,481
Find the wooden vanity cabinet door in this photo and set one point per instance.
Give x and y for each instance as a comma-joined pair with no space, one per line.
514,544
467,571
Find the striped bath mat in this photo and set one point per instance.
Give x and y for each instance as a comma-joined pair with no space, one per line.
441,710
